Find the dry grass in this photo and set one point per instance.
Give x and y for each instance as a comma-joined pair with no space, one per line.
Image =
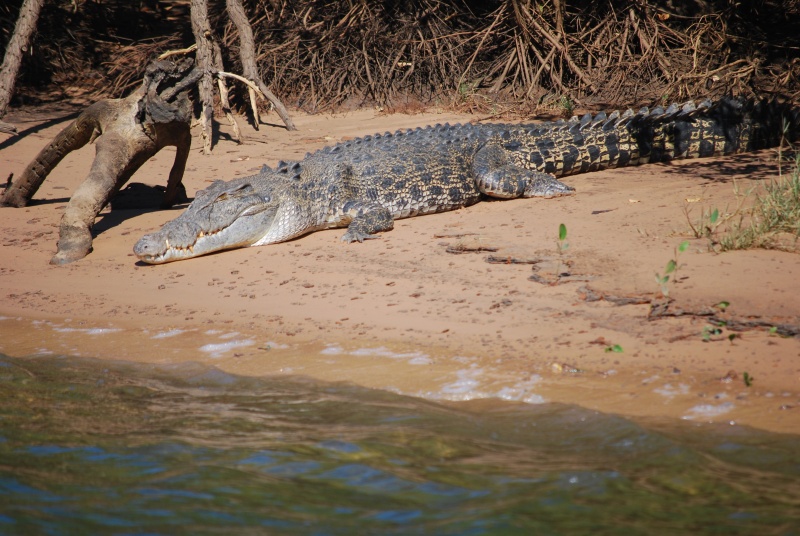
773,222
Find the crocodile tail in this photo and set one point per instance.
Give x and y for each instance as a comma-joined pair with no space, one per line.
772,123
712,129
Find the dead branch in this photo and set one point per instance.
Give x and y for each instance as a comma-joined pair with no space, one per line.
201,29
223,94
127,133
179,52
29,14
250,84
714,315
589,294
248,58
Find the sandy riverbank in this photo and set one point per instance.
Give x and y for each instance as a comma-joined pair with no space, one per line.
402,312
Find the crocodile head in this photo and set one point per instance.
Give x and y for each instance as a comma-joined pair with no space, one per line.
226,215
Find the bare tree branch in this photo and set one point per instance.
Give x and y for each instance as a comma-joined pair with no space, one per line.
248,58
28,15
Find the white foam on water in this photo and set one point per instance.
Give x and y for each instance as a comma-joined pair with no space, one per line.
230,335
708,411
414,358
465,387
382,351
651,379
275,345
468,383
88,331
523,391
468,387
668,391
102,331
168,334
218,349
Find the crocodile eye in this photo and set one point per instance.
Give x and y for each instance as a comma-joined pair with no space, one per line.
266,198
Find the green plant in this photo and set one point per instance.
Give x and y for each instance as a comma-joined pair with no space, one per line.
784,142
671,269
567,105
561,246
706,225
711,220
616,348
467,91
710,331
562,237
748,380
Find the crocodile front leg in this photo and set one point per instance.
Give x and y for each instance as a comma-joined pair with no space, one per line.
544,185
497,176
367,219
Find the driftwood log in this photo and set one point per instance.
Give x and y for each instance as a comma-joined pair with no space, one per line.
127,133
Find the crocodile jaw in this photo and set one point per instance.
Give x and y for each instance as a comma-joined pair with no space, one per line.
179,240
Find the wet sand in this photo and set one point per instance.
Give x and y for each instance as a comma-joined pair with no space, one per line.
403,313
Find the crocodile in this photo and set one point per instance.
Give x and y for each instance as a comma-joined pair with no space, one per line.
366,183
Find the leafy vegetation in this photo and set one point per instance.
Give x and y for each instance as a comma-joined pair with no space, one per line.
562,246
671,269
748,379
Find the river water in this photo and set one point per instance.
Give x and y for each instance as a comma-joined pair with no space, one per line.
99,447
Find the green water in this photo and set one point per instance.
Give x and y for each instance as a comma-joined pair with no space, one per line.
102,448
